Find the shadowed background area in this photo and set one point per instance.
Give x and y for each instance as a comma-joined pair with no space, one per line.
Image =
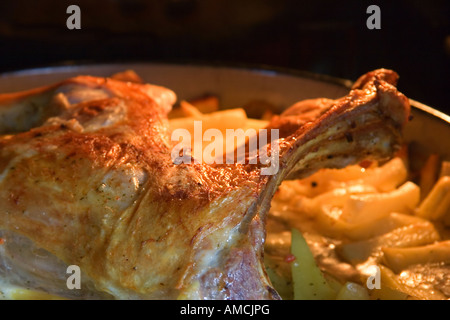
326,37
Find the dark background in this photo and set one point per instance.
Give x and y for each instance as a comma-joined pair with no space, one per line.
327,37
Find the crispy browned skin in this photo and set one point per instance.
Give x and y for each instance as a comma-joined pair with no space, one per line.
92,181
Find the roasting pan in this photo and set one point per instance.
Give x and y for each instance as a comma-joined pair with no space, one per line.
429,130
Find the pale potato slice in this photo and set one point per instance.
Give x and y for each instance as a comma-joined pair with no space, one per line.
384,179
369,207
437,204
399,259
409,236
380,226
429,174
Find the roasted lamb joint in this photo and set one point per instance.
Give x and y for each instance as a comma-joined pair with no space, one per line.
87,179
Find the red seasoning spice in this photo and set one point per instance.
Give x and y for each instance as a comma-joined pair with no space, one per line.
365,164
289,258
